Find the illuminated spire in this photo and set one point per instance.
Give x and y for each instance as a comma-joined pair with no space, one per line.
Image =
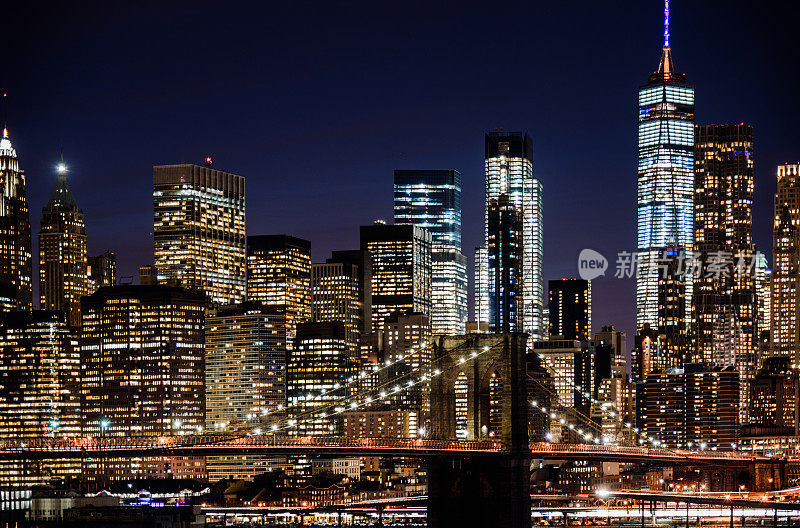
666,70
5,115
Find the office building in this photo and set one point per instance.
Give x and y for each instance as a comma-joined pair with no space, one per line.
673,340
245,372
39,376
665,211
102,271
617,341
319,365
763,279
407,337
15,226
481,289
785,298
774,396
62,252
432,199
199,230
725,306
509,171
693,407
401,269
341,292
504,247
279,274
39,393
143,361
570,303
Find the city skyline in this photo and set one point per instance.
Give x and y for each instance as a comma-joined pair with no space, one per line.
606,175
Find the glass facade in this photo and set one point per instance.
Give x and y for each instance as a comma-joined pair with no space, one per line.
432,199
199,230
15,226
509,171
665,210
63,269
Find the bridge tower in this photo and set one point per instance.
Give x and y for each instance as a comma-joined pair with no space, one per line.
486,398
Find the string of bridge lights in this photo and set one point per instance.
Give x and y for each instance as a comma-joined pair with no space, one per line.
337,405
356,402
352,380
643,438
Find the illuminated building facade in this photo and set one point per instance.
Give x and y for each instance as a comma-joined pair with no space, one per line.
725,319
665,211
279,274
245,372
39,376
481,290
693,407
775,396
339,295
785,317
15,226
199,230
408,336
39,391
432,199
143,361
319,365
401,269
570,303
102,271
509,172
763,297
504,247
62,252
673,345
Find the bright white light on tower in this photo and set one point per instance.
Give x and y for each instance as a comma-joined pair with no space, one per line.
61,168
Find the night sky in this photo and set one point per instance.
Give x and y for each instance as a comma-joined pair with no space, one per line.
315,104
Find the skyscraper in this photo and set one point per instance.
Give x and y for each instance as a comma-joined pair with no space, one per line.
279,274
570,302
432,199
319,365
338,295
62,252
481,286
509,172
401,269
725,328
786,266
15,226
102,271
143,362
245,365
665,178
504,247
199,230
39,376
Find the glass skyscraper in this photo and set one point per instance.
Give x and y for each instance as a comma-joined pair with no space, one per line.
665,177
432,199
509,172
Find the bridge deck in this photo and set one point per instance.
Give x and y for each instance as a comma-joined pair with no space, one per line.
209,445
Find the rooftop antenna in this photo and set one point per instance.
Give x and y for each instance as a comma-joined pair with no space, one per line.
666,23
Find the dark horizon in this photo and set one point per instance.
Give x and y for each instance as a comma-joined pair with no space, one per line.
317,105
